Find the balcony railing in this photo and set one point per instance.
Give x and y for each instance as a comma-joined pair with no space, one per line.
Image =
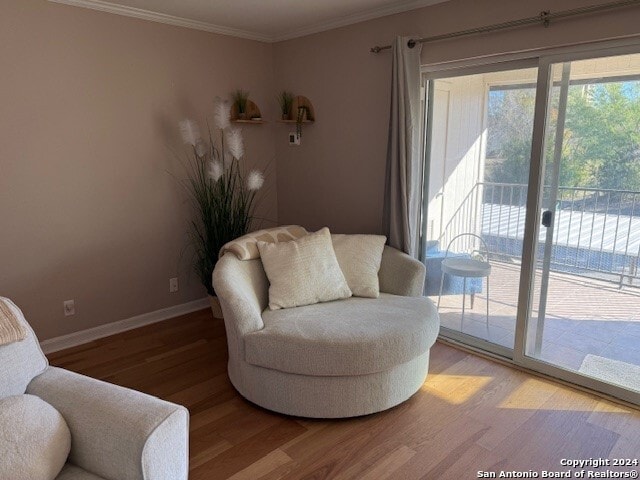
596,232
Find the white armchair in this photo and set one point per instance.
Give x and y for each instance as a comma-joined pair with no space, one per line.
336,359
116,433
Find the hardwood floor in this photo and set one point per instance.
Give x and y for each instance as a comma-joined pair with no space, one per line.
471,415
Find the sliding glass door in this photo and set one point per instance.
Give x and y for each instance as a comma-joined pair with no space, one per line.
534,172
586,311
480,145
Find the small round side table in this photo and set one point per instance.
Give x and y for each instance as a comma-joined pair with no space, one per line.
466,268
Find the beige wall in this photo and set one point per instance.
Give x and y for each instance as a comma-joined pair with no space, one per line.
89,104
88,113
336,177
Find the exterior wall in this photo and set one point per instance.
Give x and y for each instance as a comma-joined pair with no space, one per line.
464,160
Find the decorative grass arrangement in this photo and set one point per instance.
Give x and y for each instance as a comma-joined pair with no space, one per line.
240,99
223,196
285,99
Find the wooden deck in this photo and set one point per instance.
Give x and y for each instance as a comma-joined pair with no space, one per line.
584,316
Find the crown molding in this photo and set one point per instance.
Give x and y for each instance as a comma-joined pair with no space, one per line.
142,14
355,18
151,16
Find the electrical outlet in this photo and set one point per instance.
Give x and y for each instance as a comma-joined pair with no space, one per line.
173,285
69,307
294,138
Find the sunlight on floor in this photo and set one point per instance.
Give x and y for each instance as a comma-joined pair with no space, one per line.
535,394
455,389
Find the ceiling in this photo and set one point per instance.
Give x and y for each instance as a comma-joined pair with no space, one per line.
264,20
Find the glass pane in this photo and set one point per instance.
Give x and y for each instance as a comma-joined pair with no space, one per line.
586,306
479,164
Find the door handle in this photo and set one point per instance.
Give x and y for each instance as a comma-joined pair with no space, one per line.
547,218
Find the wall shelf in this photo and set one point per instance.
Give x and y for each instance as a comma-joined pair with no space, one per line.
294,121
256,122
300,101
252,111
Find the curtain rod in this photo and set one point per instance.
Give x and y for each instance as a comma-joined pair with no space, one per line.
544,18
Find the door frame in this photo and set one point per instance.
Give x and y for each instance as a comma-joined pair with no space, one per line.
428,77
543,59
532,223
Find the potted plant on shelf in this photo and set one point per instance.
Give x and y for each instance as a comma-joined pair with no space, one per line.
222,193
240,98
285,99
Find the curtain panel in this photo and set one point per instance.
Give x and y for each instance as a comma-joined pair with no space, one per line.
404,156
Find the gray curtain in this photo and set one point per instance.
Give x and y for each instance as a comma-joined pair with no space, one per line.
404,171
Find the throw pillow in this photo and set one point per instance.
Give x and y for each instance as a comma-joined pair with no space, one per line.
19,361
303,271
35,441
11,330
359,257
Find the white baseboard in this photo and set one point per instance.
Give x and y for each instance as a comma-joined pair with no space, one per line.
84,336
